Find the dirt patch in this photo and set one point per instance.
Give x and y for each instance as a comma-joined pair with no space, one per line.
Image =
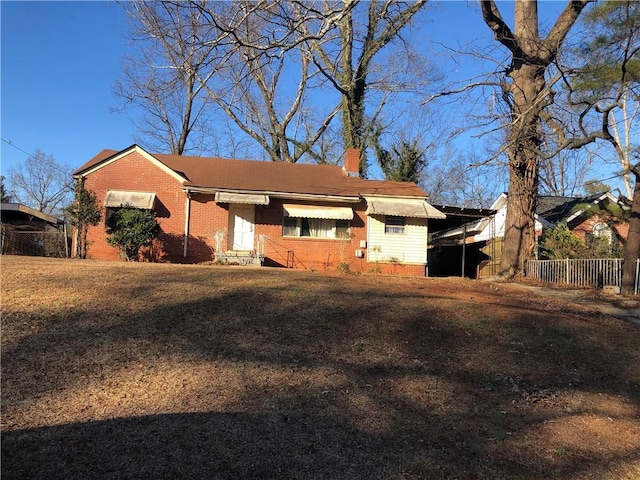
121,370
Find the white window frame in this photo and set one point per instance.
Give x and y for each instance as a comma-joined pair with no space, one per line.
299,228
392,228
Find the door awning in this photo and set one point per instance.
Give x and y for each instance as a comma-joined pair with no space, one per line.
314,211
246,198
402,207
119,198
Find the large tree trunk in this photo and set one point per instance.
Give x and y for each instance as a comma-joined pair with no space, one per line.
632,247
531,55
523,153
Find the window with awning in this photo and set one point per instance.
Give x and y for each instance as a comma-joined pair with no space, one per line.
120,198
243,198
316,221
313,211
402,207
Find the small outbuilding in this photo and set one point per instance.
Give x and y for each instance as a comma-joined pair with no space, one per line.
27,231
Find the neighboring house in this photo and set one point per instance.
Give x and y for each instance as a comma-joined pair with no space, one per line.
27,231
268,213
477,244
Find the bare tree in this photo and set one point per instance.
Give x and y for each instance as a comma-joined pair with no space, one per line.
565,174
281,71
347,60
264,85
600,82
42,183
526,91
162,77
246,61
624,129
463,179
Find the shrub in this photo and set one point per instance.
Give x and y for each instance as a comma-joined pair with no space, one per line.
560,242
131,228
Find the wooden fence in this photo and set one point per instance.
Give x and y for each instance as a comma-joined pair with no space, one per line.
580,272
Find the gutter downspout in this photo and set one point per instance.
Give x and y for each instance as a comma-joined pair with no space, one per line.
187,214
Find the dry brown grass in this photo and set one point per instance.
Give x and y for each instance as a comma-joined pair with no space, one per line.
114,370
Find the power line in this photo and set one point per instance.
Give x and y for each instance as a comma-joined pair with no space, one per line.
57,166
8,142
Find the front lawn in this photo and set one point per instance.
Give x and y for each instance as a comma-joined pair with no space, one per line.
127,370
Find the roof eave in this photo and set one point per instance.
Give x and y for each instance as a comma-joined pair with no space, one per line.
275,194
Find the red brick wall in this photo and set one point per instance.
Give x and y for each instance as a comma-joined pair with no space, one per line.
308,253
621,229
136,173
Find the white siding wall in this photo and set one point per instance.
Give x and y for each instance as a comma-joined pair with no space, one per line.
410,247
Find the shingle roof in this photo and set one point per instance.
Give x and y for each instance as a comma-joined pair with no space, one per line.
252,175
556,209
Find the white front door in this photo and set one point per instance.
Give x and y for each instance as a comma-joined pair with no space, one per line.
241,219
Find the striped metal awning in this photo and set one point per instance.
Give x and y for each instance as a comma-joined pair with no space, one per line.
402,207
317,211
119,198
245,198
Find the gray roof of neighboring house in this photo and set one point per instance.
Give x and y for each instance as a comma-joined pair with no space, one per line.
557,209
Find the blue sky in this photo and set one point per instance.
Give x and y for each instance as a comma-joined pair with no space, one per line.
60,60
59,63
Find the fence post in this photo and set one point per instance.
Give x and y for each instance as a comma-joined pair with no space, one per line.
637,273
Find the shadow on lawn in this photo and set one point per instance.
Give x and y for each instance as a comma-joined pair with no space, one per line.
423,388
271,446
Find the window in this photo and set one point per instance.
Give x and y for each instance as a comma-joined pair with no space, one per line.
290,227
602,241
342,228
602,230
315,227
394,224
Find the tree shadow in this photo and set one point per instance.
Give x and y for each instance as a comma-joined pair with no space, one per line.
334,378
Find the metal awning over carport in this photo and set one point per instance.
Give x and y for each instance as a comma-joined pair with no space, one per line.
316,211
402,207
120,198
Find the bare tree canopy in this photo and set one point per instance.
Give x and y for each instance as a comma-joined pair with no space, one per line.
42,183
347,60
162,77
601,81
281,72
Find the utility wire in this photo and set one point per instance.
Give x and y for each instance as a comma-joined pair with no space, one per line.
30,155
8,142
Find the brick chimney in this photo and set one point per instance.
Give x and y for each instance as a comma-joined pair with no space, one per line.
352,162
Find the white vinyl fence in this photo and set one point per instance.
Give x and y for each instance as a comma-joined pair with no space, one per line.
580,272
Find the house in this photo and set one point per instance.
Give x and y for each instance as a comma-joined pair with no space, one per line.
265,213
475,247
27,231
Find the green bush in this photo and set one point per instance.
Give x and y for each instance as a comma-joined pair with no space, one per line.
560,242
131,228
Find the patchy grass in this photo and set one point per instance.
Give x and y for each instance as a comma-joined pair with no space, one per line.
123,370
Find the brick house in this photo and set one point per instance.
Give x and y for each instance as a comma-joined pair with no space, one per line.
274,214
